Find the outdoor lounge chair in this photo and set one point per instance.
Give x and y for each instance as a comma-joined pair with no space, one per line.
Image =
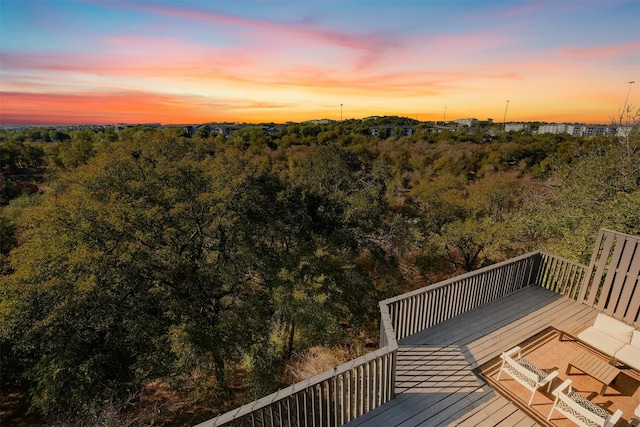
580,410
525,372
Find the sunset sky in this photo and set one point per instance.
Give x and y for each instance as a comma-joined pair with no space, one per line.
102,62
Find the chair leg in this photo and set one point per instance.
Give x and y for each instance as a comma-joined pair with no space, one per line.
500,371
531,399
552,409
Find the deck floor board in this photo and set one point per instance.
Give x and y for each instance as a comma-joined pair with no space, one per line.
435,382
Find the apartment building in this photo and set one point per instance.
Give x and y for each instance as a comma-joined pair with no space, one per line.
470,122
517,127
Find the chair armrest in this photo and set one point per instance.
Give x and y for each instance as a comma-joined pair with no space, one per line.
614,418
562,387
513,351
550,377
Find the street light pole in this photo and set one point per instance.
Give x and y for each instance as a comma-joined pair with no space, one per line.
340,112
444,118
504,120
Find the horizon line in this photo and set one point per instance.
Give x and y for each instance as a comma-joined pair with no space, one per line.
297,122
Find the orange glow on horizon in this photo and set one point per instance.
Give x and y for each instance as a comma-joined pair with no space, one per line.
104,109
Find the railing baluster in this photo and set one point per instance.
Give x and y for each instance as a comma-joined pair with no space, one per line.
360,401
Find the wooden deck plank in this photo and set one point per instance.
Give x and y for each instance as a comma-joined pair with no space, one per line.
435,381
518,418
426,396
449,332
499,416
483,349
488,414
508,324
476,336
450,409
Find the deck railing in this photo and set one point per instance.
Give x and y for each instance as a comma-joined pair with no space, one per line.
561,276
330,399
418,310
338,396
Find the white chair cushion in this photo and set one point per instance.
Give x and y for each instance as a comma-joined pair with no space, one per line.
589,405
615,328
630,356
601,340
531,367
635,339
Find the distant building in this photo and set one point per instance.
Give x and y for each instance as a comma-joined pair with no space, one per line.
467,122
517,127
573,130
272,130
190,130
594,130
223,129
577,129
550,128
387,131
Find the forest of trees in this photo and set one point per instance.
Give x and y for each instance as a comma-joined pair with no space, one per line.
146,260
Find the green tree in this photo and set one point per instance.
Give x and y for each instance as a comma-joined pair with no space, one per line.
134,262
316,227
163,255
599,186
79,150
250,136
468,221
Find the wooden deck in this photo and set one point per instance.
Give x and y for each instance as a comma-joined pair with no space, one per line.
433,340
436,384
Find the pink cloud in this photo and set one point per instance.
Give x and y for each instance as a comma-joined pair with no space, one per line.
299,55
190,66
147,64
630,49
284,33
35,61
423,68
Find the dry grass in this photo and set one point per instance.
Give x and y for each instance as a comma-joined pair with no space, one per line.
314,361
